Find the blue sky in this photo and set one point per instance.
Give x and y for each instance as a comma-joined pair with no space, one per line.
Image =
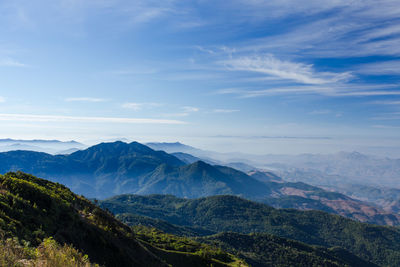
254,76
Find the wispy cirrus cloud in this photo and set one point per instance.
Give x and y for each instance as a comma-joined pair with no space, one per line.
391,67
380,126
339,28
60,118
332,90
185,111
387,116
9,62
85,99
326,112
25,14
219,110
139,106
190,109
272,137
386,102
133,71
320,112
285,70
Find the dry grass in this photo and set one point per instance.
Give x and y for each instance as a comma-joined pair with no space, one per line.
48,254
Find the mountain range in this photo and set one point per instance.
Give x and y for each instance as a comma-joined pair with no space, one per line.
39,145
323,169
109,169
44,224
350,173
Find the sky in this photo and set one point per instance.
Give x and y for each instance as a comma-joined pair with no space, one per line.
253,76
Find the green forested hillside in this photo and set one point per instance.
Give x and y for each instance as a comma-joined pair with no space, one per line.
50,226
33,210
201,179
134,219
268,250
380,245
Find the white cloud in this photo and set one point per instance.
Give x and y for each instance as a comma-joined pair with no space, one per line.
139,106
57,118
320,112
189,109
387,116
370,93
337,29
8,62
379,126
391,67
2,99
225,110
133,106
265,9
85,99
186,111
181,114
333,90
394,102
285,70
133,71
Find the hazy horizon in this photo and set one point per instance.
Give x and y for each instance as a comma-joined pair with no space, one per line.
259,77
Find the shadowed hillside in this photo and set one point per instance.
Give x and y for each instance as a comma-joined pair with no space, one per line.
380,245
34,210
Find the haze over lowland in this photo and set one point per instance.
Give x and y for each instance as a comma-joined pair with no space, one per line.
251,76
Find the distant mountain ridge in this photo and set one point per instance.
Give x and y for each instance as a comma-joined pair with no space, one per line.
101,170
360,176
109,169
172,147
40,145
349,167
10,140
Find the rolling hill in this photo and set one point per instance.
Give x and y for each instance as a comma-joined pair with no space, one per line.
377,244
37,211
59,228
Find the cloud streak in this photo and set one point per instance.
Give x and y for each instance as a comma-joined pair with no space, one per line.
389,102
285,70
339,28
139,106
58,118
331,90
225,110
85,99
189,109
391,67
8,62
272,137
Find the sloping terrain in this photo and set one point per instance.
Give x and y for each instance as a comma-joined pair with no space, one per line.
33,210
268,250
380,245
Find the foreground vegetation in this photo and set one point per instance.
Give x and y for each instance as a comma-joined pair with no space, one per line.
48,254
54,225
